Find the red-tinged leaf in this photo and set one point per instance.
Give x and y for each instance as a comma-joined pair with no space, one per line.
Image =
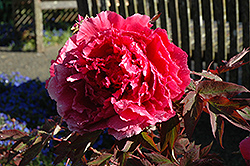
233,63
213,119
148,141
100,160
188,102
157,158
31,153
49,125
237,57
169,133
227,109
11,134
81,144
245,113
204,151
192,117
220,130
217,124
84,139
129,144
211,88
207,74
154,18
225,68
61,150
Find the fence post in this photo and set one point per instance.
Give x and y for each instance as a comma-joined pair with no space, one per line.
38,25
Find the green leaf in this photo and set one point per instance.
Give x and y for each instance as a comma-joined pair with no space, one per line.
211,88
148,141
158,158
101,159
169,133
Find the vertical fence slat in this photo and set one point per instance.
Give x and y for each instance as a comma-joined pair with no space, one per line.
178,23
161,8
158,21
145,6
90,8
152,10
219,11
184,24
197,54
208,18
232,19
131,7
140,6
125,2
112,5
189,30
83,8
135,6
103,6
245,18
172,15
94,8
167,19
38,26
121,8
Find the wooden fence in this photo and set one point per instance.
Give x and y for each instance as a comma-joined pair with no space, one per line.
206,29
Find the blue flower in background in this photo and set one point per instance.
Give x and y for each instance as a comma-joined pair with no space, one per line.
25,99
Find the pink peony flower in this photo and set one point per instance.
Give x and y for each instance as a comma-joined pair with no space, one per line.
118,74
245,149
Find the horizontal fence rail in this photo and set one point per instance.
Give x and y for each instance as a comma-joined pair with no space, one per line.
208,30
